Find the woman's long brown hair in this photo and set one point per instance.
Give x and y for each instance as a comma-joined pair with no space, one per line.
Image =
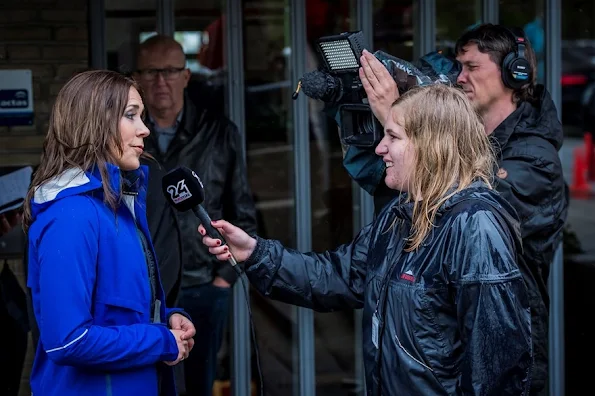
83,130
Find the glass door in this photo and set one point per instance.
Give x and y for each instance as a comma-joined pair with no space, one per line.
269,156
126,24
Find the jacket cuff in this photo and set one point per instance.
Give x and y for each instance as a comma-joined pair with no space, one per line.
170,311
258,253
170,352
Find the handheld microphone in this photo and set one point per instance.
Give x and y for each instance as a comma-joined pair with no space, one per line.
184,190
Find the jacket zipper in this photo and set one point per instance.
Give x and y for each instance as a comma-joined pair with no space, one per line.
399,247
410,355
108,385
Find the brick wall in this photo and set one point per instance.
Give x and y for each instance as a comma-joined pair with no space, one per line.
50,38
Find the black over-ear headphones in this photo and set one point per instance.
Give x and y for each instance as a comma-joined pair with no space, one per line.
516,69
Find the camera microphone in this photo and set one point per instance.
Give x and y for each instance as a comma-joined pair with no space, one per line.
184,190
320,85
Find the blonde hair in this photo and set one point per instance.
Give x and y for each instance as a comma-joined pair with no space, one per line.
451,150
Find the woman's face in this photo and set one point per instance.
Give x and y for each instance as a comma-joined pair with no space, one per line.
396,151
133,131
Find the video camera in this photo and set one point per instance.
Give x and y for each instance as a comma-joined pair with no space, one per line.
337,82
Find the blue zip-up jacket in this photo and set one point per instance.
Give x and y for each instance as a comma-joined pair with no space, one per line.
91,294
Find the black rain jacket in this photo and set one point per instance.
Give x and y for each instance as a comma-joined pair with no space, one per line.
532,181
530,178
454,316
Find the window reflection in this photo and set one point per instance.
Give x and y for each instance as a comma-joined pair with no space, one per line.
332,206
193,43
126,24
527,15
206,89
199,29
269,150
393,27
452,18
578,113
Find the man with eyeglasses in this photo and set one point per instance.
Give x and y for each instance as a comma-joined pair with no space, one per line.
210,144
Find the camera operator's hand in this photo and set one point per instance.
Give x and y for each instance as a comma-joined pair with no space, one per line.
380,87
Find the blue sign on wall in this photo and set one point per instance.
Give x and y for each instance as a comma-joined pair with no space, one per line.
16,98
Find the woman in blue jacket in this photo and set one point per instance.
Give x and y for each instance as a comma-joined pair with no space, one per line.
446,310
97,298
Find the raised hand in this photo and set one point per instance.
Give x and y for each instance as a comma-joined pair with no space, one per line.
379,85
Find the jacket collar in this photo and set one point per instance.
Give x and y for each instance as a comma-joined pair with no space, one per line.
537,117
504,131
123,181
75,181
403,208
154,125
184,133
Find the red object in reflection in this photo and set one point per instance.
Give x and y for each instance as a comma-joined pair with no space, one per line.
211,54
580,187
573,79
590,158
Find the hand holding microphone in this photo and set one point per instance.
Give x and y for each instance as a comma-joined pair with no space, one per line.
184,190
238,241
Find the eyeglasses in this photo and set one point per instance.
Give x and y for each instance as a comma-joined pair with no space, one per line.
171,73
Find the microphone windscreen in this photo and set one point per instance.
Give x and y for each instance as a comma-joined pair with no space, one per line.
183,189
315,84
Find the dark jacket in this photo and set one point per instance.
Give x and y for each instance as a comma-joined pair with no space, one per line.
453,316
165,233
531,179
210,145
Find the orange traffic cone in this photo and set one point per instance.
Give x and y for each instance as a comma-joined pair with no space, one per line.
580,187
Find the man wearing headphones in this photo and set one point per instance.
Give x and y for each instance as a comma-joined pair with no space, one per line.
498,75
